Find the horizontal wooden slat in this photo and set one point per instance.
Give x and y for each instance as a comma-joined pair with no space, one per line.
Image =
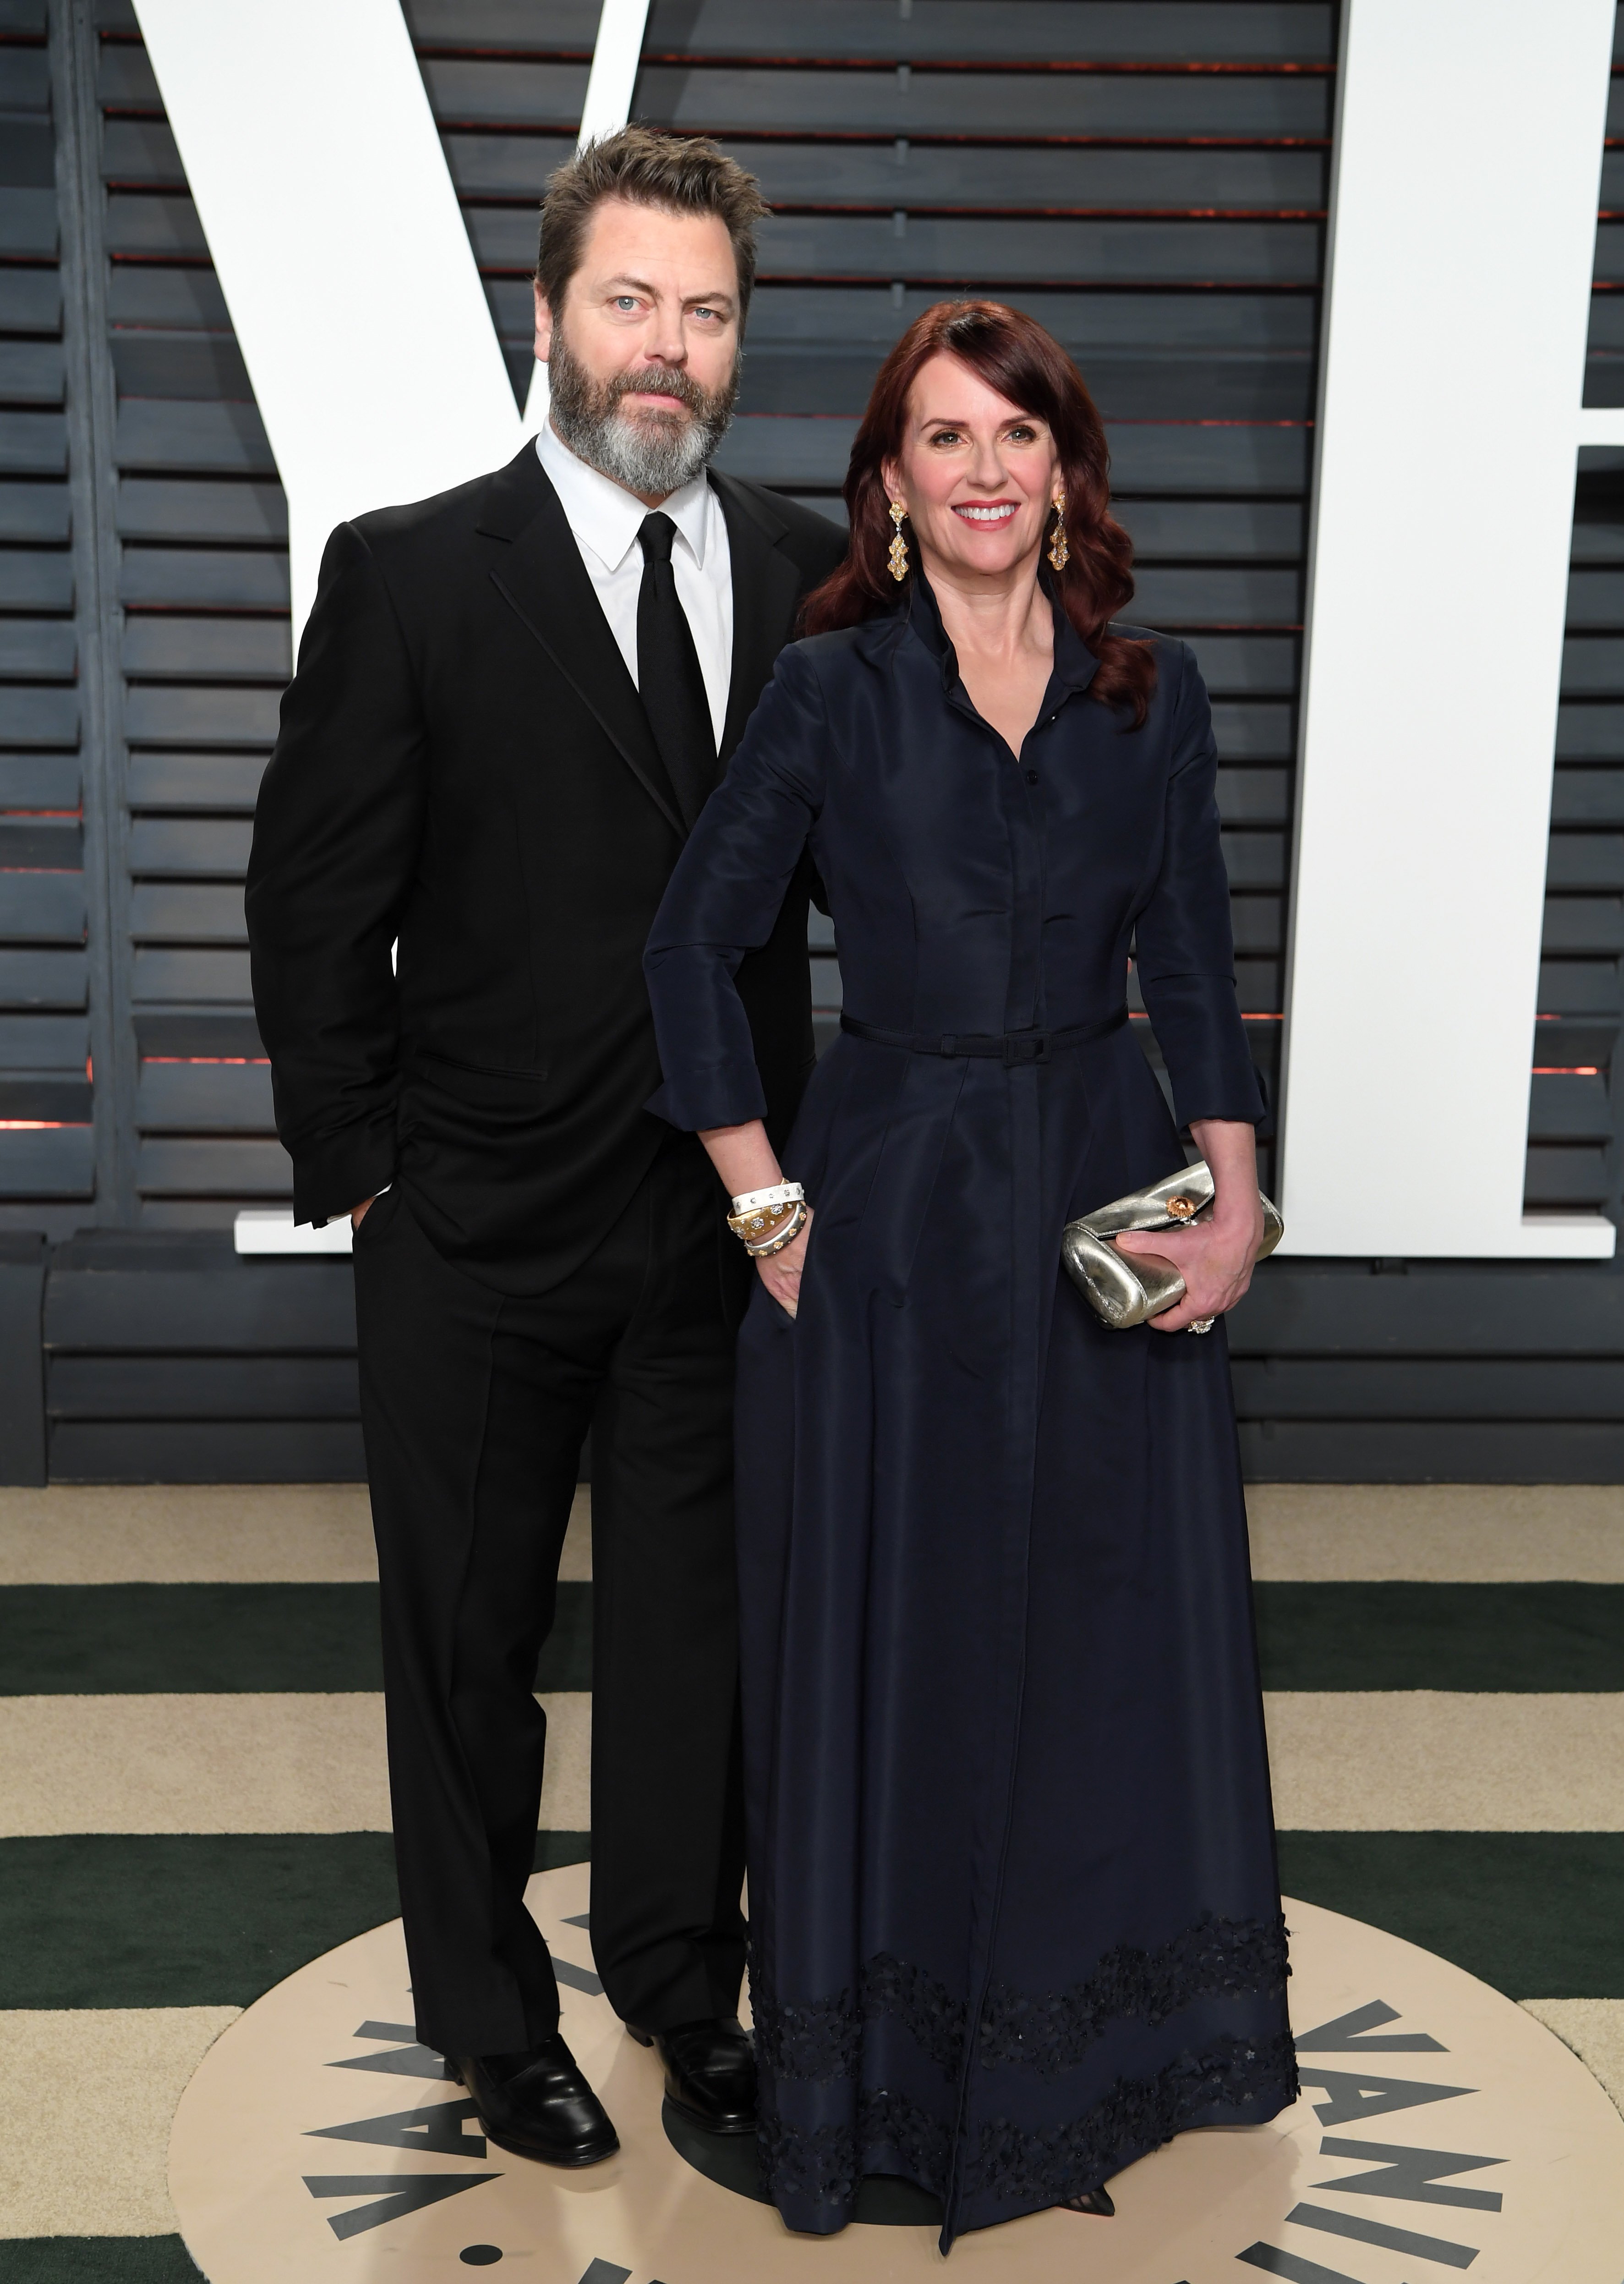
141,150
1308,1306
179,508
1587,797
1213,530
25,72
31,372
1254,796
37,513
1257,731
202,1388
38,650
223,1034
167,1166
244,650
1296,1388
1179,598
1434,1451
1586,860
1239,664
1580,987
155,715
1258,923
43,979
47,1163
1254,860
44,1042
30,302
975,251
39,717
190,846
1096,31
154,228
44,844
917,176
1587,731
27,224
172,912
1569,1109
1562,1174
33,444
206,1451
836,378
189,366
162,974
1121,107
215,1098
153,294
194,781
35,579
211,439
48,1098
1583,924
174,577
42,908
39,781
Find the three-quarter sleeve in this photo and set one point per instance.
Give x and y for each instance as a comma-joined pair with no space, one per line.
1184,948
723,898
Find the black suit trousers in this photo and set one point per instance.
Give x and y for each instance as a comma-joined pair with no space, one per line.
474,1404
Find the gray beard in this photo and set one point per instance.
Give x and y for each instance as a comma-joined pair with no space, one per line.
649,453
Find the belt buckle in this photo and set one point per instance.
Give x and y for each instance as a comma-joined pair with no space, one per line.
1022,1047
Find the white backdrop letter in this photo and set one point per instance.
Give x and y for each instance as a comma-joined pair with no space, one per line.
1468,157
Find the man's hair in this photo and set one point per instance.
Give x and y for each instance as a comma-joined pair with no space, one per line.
680,174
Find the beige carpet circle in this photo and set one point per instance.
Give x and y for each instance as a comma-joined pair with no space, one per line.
1441,2130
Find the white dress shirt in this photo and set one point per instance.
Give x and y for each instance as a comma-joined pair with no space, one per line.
605,520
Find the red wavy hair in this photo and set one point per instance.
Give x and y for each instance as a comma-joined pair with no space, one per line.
1012,353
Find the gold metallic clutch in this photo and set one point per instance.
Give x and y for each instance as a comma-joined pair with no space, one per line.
1125,1288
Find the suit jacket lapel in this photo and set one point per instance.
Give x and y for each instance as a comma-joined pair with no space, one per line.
765,589
542,579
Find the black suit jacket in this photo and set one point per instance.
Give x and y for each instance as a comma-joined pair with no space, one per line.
464,764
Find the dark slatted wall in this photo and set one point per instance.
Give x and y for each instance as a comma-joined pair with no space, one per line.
1574,1158
1146,176
48,1159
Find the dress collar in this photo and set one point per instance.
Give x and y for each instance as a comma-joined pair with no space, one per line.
606,517
1075,665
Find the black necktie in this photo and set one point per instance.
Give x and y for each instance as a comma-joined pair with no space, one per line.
668,677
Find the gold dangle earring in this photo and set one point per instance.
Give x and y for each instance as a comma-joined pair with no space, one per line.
898,558
1059,553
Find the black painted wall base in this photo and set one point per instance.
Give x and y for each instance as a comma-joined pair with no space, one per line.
158,1357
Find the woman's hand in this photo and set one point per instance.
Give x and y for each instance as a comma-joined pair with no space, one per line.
780,1272
1217,1255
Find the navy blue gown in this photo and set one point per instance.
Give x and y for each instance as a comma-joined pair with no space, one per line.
1014,1904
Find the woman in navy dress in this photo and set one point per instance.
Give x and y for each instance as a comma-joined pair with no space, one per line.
1014,1904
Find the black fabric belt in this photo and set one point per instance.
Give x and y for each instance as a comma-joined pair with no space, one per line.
1009,1047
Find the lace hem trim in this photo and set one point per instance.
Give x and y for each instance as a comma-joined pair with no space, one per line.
1009,2162
821,2040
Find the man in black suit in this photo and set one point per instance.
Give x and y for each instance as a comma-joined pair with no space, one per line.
511,703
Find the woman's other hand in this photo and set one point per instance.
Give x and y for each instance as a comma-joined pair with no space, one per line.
780,1272
1217,1255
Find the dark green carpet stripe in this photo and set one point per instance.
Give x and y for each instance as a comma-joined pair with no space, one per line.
94,1641
1395,1634
1389,1634
1538,1914
97,2260
194,1919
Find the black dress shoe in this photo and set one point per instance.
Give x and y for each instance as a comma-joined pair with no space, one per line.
1091,2200
537,2104
710,2072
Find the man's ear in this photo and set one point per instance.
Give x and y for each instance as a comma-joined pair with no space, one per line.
543,327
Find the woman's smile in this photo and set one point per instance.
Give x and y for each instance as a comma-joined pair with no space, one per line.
985,512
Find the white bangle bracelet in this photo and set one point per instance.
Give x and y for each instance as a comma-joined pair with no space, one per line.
782,1193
